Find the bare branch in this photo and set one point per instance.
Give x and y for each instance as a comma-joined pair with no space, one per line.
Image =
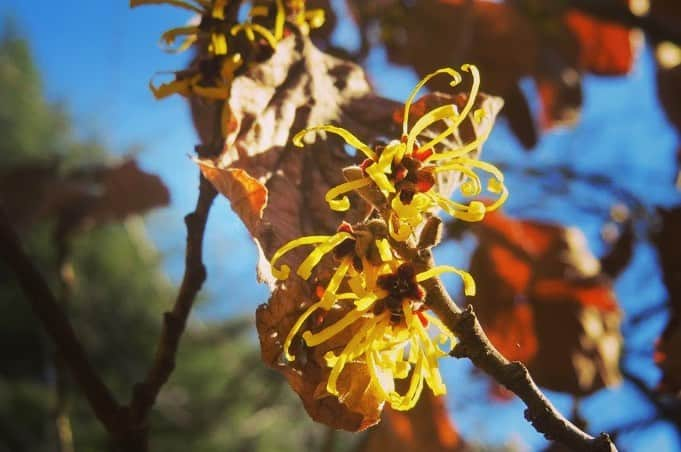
174,322
474,345
54,321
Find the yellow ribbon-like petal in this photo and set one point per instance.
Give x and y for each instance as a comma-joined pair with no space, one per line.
384,250
218,11
169,37
218,44
329,297
279,21
463,150
314,339
456,79
250,29
468,281
425,121
343,204
474,211
467,108
349,138
284,271
315,18
296,327
316,255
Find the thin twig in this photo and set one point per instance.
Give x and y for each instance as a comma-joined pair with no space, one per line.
174,321
669,409
126,424
47,309
474,345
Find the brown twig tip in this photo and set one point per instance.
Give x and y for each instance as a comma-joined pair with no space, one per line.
604,443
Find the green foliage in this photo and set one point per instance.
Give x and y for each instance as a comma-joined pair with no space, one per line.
239,404
31,128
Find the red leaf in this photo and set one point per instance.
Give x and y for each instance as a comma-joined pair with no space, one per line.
81,198
605,48
543,300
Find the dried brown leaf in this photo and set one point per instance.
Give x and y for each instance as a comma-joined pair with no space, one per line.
81,198
543,300
557,44
247,196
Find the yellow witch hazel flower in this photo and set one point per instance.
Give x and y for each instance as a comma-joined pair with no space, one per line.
384,302
212,77
406,170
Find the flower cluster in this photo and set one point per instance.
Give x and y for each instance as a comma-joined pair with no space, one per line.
374,289
406,170
225,46
385,302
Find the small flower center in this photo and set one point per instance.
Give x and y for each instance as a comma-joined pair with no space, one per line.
401,286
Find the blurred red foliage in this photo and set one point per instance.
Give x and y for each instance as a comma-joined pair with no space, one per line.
543,300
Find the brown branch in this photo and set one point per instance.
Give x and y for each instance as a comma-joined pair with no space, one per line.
668,408
174,321
54,321
126,424
474,345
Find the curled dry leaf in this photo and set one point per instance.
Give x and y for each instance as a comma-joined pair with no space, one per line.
278,191
668,352
80,198
543,300
426,427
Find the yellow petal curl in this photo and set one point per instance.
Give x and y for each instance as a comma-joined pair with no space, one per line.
283,272
468,281
316,255
169,37
461,116
325,303
343,204
456,79
349,138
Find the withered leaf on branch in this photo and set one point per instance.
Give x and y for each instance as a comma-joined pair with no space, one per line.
543,300
426,427
278,191
81,198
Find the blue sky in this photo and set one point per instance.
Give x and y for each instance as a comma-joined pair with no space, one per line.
97,57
